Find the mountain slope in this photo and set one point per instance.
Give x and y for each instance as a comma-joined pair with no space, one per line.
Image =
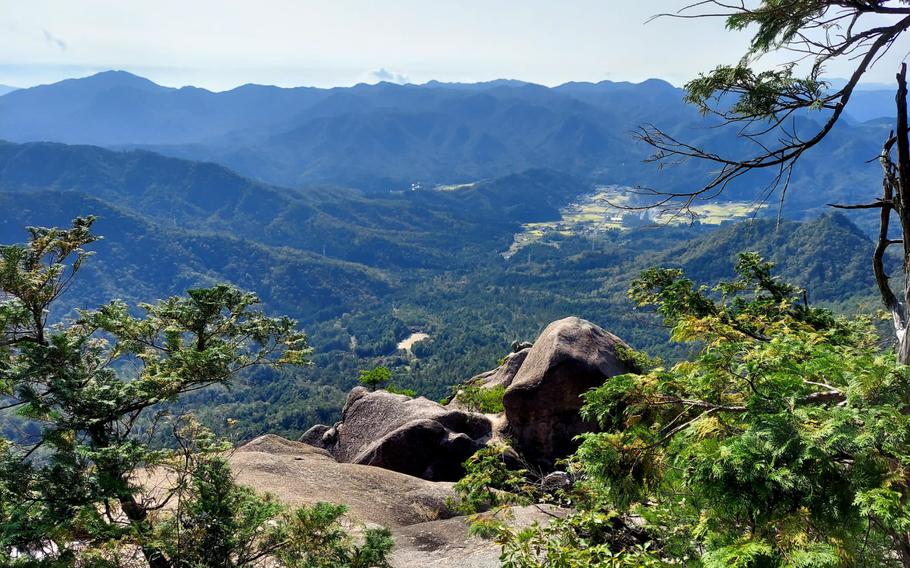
829,256
422,260
116,107
411,229
139,261
386,137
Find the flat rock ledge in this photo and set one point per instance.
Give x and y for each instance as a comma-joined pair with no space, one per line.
426,533
300,474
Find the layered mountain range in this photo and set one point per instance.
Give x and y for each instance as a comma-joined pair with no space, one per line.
387,137
376,212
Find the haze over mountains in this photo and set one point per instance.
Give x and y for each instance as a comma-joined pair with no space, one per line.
386,136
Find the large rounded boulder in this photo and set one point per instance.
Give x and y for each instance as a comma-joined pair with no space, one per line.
543,399
415,436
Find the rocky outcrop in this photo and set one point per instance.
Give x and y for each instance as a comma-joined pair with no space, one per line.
299,474
502,376
425,531
543,398
447,544
415,436
412,438
543,386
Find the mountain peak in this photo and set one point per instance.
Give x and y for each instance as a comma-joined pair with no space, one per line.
482,85
836,221
648,85
119,78
98,82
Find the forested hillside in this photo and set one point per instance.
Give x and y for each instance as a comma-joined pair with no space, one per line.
363,272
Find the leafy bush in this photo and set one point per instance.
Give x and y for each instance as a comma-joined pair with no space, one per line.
315,539
480,399
587,538
489,483
219,523
784,442
375,377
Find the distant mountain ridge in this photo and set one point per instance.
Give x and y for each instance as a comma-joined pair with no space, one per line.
386,136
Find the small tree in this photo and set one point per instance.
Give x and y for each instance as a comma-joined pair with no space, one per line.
217,522
213,521
86,383
783,442
376,377
316,539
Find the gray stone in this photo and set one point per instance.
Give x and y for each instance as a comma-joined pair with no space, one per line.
520,345
555,481
543,387
314,436
502,376
448,544
410,435
543,399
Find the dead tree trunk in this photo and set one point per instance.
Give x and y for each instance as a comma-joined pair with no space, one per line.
896,198
903,181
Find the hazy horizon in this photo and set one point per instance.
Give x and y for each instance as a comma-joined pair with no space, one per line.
863,85
367,82
221,45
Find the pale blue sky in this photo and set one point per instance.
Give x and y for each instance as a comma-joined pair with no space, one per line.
219,44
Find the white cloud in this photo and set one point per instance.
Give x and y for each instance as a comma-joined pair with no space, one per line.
219,44
54,41
383,74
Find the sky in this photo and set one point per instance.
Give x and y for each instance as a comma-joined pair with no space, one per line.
225,43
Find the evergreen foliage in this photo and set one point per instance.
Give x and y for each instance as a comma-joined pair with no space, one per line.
488,483
479,399
782,442
375,377
72,493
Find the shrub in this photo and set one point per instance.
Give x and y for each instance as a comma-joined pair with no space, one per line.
398,390
376,377
480,399
489,483
785,441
